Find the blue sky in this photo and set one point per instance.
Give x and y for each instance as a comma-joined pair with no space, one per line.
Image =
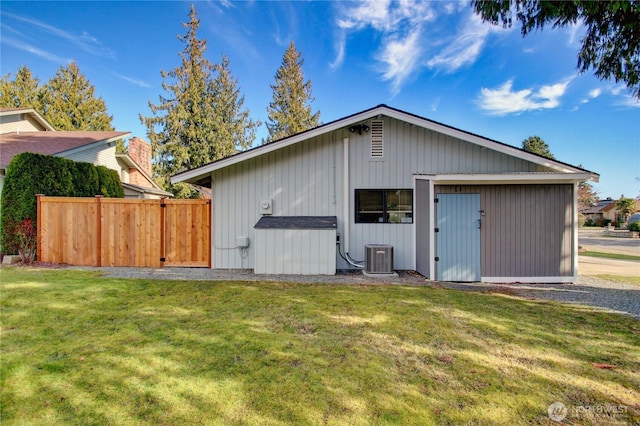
433,59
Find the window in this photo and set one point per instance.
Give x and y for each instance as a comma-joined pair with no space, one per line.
384,206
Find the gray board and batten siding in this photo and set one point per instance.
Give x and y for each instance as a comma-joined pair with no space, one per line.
526,229
306,179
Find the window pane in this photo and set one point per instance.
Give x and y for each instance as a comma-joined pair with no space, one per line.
370,206
399,206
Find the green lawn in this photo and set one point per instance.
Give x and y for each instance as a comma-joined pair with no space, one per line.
616,256
81,349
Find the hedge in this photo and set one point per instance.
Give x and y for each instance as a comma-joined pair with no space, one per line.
29,174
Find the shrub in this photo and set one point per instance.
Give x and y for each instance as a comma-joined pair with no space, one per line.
635,227
27,240
29,174
86,181
109,183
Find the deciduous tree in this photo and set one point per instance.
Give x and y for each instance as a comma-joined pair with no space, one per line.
290,111
587,196
611,45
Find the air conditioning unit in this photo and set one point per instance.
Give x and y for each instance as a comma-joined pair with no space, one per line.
378,259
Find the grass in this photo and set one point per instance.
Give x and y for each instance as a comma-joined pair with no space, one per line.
620,279
617,256
81,349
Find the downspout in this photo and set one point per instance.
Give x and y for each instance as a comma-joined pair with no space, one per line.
345,205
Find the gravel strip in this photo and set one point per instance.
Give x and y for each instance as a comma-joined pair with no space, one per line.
591,291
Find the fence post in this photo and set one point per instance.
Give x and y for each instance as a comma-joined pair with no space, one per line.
39,227
99,230
163,231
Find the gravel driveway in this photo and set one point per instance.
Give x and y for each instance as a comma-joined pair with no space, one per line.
592,291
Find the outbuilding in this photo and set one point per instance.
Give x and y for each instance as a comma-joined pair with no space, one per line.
446,203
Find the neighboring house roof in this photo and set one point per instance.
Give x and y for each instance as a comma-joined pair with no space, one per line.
196,175
130,162
35,116
153,191
52,143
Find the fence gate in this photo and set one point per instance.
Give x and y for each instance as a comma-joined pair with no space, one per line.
124,232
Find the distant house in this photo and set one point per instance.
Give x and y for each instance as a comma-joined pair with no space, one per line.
596,212
453,205
24,130
606,210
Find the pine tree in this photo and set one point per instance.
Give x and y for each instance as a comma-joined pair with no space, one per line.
290,110
23,92
536,145
234,128
202,119
69,102
179,131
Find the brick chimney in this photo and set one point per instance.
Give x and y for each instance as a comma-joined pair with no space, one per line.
140,152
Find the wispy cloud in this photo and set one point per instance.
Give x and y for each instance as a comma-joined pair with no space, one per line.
401,25
410,37
34,50
465,47
401,58
504,100
137,82
629,101
84,41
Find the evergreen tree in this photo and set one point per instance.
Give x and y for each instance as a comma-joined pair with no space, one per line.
69,102
201,120
290,110
611,45
234,129
23,92
536,145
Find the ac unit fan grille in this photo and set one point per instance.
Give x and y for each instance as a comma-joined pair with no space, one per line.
378,259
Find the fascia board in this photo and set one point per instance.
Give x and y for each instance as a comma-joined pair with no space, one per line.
92,145
507,178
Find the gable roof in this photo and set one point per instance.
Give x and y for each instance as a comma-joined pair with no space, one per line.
52,143
131,163
32,113
193,175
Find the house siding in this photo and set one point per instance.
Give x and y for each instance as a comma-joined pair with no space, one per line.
19,123
102,154
526,230
306,179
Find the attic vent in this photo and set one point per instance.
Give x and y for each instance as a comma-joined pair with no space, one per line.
377,139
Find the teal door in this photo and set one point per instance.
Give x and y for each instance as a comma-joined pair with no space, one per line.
458,223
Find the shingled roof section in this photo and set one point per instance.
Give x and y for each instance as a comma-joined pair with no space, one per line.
50,143
297,222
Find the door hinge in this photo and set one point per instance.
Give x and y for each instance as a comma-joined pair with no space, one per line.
435,200
437,259
163,205
163,259
437,230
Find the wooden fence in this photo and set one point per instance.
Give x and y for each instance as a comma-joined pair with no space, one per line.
124,232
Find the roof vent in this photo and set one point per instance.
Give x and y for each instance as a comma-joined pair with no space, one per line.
377,139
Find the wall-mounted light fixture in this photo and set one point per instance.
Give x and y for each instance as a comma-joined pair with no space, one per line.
359,128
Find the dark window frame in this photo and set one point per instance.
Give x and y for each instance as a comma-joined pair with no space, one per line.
374,216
